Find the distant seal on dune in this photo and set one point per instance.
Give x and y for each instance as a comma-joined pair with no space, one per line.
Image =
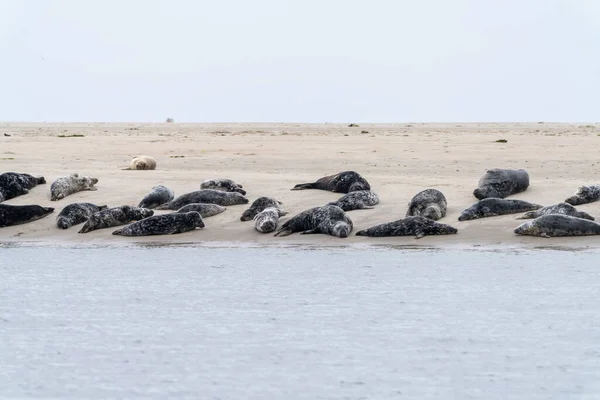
157,196
560,208
500,183
17,215
330,220
558,225
585,194
266,221
493,207
166,224
141,163
343,182
205,209
205,196
69,184
226,185
429,203
13,184
76,213
416,226
357,200
114,217
259,205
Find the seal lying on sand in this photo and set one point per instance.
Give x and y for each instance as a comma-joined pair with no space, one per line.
500,183
76,213
430,203
114,217
343,182
166,224
585,194
205,209
357,200
17,215
141,163
259,205
416,226
67,185
266,220
560,208
558,225
13,184
157,196
226,185
205,196
330,220
493,207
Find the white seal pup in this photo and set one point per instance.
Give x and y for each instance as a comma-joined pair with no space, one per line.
166,224
114,217
493,207
226,185
429,203
13,184
259,205
266,221
500,183
357,200
141,163
585,194
76,213
560,208
17,215
205,196
416,226
343,182
157,196
205,209
330,220
558,225
73,183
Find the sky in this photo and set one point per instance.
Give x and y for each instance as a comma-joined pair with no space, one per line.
337,61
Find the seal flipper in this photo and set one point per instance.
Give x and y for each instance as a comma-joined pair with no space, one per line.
311,231
303,186
283,231
117,232
419,234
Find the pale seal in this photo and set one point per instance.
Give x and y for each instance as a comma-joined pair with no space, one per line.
205,196
76,213
558,225
493,207
141,163
416,226
157,196
69,184
205,209
259,205
114,217
500,183
13,184
357,200
166,224
343,182
585,194
266,220
560,208
429,203
330,220
17,215
226,185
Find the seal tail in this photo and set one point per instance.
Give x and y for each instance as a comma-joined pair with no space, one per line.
118,232
303,186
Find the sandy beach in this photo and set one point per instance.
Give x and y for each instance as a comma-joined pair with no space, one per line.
398,160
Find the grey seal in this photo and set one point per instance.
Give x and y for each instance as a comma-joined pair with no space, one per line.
343,182
429,203
560,208
69,184
205,196
585,194
331,220
416,226
558,225
259,205
115,216
266,221
205,209
76,213
157,196
226,185
142,163
166,224
500,183
13,184
493,207
357,200
17,215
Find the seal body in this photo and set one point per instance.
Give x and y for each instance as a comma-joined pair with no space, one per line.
558,225
585,194
560,208
429,203
493,207
500,183
114,217
343,182
330,220
157,196
76,213
73,183
13,184
142,163
259,205
205,196
266,221
416,226
166,224
357,200
17,215
205,209
226,185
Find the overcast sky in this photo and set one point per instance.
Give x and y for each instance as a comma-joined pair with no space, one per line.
300,60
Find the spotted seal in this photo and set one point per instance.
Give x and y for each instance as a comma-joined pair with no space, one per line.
343,182
157,196
357,200
558,225
560,208
331,220
429,203
17,215
259,205
500,183
493,207
76,213
205,196
141,163
69,184
266,221
13,184
205,209
417,226
226,185
585,194
166,224
114,217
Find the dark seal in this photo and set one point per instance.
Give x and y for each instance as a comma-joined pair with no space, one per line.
17,215
429,203
205,196
493,207
114,217
13,184
558,225
585,194
259,205
157,196
76,213
500,183
205,209
266,221
226,185
73,183
343,182
330,220
166,224
357,200
560,208
416,226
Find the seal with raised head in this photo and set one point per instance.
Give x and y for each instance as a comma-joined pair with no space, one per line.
114,217
205,196
205,209
416,226
500,183
357,200
585,194
17,215
69,184
226,185
259,205
558,225
343,182
330,220
266,221
493,207
157,196
13,184
560,208
166,224
76,213
429,203
141,163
